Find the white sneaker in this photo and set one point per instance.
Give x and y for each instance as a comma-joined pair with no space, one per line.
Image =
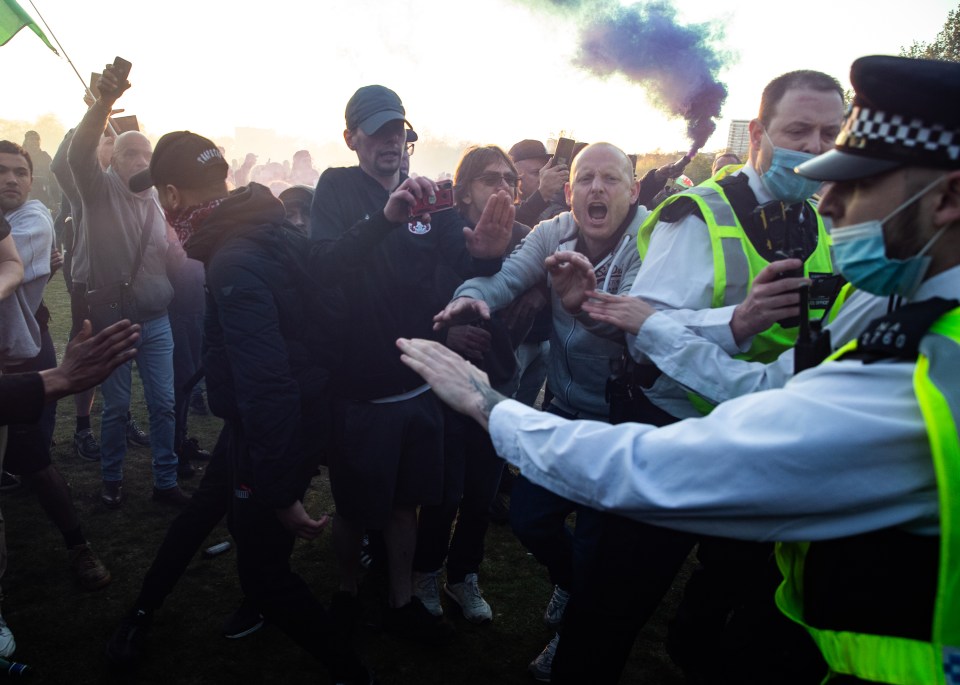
426,588
7,644
553,615
542,667
467,595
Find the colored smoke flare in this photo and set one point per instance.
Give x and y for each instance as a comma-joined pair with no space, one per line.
676,63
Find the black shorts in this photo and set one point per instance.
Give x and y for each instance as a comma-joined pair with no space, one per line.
28,445
78,307
386,456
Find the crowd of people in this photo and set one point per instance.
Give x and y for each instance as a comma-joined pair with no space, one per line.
762,367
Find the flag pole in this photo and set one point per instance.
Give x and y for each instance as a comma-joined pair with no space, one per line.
86,88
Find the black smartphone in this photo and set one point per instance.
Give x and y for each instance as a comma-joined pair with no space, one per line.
121,68
564,152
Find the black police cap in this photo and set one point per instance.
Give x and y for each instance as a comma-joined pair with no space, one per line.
903,114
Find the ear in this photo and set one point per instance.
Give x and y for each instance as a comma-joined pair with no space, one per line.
172,196
634,192
755,129
568,194
348,139
947,210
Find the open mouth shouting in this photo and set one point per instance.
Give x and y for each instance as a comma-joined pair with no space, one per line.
597,211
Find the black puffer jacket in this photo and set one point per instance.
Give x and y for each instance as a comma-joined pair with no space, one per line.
267,347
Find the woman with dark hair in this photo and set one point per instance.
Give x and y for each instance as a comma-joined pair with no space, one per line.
471,467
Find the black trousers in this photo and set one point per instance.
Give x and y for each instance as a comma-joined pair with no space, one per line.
263,560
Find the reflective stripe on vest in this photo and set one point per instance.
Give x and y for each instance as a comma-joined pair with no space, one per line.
896,660
737,262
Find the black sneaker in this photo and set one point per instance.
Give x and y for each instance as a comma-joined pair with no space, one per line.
186,470
86,446
198,405
135,436
345,611
9,482
127,644
173,496
190,450
414,622
245,620
112,494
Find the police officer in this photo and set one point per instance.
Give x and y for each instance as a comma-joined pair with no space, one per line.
851,465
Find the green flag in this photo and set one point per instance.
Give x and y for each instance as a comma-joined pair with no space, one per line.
13,18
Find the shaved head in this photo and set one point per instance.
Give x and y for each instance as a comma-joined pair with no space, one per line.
131,154
591,150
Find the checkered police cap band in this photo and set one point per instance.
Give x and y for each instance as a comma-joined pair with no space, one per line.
897,137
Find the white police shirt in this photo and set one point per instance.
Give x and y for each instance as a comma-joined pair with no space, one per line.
840,450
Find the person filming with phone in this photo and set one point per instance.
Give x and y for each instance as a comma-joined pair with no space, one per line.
127,244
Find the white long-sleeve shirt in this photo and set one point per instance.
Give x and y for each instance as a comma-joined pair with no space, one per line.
840,450
677,278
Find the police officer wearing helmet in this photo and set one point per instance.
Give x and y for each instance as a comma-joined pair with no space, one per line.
853,465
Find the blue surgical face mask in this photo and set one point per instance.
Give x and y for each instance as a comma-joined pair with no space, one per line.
782,181
861,256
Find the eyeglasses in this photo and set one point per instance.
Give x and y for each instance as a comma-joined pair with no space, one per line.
410,147
493,179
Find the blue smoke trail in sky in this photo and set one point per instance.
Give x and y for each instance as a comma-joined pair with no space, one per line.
677,64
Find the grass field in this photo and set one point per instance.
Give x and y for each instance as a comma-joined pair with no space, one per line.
61,631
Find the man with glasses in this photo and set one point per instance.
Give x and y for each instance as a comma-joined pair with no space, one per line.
388,454
602,226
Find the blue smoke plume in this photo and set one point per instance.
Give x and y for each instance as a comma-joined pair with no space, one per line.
676,64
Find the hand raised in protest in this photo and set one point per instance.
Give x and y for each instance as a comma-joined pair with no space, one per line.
111,86
491,237
470,341
626,312
456,381
296,519
405,196
572,277
768,301
553,176
461,310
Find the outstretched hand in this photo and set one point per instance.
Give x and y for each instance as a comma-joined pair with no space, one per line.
89,359
768,301
491,236
455,380
461,310
296,519
572,277
626,312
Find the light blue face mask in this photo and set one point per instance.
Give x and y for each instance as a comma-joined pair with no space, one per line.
782,181
861,256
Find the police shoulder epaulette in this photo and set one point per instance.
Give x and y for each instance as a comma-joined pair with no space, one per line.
678,210
898,334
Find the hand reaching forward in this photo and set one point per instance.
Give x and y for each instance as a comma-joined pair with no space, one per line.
768,301
572,277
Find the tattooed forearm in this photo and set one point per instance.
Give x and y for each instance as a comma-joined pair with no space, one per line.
489,397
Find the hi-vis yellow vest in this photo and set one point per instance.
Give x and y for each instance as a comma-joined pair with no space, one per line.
734,255
883,658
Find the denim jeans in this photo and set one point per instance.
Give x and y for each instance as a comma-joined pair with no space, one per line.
155,362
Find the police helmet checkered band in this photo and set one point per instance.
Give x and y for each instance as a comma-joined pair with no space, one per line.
903,114
872,130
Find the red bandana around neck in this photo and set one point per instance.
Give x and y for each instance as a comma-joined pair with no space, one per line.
187,221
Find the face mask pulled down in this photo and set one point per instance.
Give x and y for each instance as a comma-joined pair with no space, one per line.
782,181
860,254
